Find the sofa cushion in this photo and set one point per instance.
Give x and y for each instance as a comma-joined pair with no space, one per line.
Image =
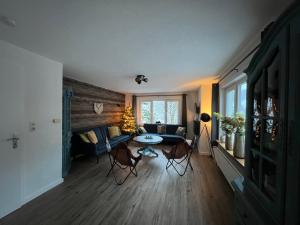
142,130
151,128
114,131
180,131
92,136
161,129
84,138
172,138
171,128
116,140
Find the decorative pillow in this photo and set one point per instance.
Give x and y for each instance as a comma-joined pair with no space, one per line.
114,131
161,129
142,130
92,137
180,131
84,138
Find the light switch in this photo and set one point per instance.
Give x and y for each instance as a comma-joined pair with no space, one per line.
32,126
55,120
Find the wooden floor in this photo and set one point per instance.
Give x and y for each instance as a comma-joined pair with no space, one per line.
156,196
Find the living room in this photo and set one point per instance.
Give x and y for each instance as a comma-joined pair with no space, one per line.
163,112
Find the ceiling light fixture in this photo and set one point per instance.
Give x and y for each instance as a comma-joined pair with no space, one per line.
140,78
8,21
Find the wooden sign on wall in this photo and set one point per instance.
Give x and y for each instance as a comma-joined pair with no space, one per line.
98,108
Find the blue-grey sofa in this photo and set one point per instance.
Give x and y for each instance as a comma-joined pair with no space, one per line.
80,147
170,137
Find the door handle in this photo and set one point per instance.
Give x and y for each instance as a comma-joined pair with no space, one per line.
14,139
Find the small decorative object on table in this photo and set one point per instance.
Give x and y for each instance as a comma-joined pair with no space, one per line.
148,137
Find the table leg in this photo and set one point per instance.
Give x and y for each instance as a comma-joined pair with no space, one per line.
147,151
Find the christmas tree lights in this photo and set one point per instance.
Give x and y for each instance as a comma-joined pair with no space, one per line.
128,121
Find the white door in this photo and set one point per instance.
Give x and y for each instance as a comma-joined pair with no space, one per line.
11,112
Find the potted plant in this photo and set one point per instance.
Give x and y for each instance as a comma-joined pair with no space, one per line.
228,126
239,138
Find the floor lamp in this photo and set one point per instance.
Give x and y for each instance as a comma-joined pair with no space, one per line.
206,118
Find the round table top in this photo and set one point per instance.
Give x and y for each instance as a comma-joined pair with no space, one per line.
154,139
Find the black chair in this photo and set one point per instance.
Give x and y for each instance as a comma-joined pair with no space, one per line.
122,157
177,155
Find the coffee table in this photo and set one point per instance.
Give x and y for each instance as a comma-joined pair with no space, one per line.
147,141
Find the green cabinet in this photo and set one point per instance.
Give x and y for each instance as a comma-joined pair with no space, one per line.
271,179
66,130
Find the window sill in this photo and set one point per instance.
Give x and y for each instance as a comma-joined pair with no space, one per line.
239,163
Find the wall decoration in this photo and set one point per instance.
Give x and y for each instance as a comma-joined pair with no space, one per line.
98,108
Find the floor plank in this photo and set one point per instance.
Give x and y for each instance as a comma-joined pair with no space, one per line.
157,196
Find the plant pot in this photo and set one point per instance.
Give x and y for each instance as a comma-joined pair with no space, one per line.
239,146
229,141
222,138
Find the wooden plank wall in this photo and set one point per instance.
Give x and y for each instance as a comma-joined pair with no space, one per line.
82,105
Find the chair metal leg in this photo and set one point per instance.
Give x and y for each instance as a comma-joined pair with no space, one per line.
112,166
168,164
187,158
132,170
191,166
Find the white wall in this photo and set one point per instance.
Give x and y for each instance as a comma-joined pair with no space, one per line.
41,161
205,99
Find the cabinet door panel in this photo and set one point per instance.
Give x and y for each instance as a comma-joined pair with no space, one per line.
292,209
265,149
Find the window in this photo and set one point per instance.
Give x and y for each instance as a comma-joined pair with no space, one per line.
235,98
242,92
172,112
146,112
230,102
158,111
165,109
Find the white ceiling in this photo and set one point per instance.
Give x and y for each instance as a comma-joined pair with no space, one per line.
176,43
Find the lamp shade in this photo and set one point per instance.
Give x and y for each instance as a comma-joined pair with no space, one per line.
205,117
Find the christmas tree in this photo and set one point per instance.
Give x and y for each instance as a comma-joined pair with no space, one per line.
128,121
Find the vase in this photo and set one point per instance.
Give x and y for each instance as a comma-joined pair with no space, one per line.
239,146
229,139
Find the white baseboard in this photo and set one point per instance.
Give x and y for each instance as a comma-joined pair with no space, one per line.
5,213
42,191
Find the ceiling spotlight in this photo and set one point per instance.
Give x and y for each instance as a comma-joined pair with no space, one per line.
140,78
8,21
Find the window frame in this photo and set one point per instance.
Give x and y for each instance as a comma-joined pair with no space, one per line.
166,99
233,86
